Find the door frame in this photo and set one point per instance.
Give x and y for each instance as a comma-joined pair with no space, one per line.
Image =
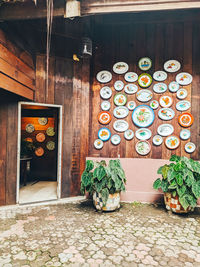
59,153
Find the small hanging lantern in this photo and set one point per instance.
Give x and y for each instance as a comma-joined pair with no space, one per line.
86,47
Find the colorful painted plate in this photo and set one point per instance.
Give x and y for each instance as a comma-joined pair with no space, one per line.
181,93
120,99
184,78
131,105
160,88
28,139
183,105
43,121
165,129
104,76
160,76
105,105
190,147
166,114
131,77
104,117
104,134
165,101
172,142
145,63
105,92
120,112
143,116
128,134
50,145
143,134
118,85
30,128
120,125
144,95
40,137
39,151
172,66
157,140
145,80
185,134
50,131
186,119
115,139
143,147
154,104
173,87
130,88
98,144
120,67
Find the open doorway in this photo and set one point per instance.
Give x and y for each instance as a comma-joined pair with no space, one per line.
39,153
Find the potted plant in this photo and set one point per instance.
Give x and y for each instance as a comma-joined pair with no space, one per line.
104,183
180,183
27,148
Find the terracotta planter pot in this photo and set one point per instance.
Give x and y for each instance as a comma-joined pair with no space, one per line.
112,203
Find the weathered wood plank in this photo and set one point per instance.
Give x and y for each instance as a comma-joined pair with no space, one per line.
40,79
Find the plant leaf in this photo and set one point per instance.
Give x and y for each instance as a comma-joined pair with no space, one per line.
184,202
171,174
196,189
159,171
181,190
89,165
165,171
173,184
164,185
157,184
100,172
175,158
104,194
179,178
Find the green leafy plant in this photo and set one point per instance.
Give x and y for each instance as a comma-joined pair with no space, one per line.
27,148
98,177
181,178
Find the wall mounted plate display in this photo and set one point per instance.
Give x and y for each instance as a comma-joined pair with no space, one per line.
120,112
184,78
143,116
157,140
128,134
39,152
183,105
43,121
120,67
104,76
190,147
154,104
145,63
118,85
173,87
143,134
143,147
144,95
130,88
131,77
30,128
50,131
186,119
106,92
165,129
144,80
28,139
120,125
50,145
185,134
172,66
104,117
40,137
181,93
160,76
98,144
165,101
120,99
131,105
115,139
160,88
172,142
104,134
166,114
105,105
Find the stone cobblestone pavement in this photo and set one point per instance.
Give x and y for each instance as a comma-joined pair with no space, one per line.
76,235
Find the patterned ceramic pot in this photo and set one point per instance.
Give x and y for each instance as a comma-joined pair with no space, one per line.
173,204
112,203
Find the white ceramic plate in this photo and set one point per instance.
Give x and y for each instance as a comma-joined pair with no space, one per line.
183,105
166,114
172,66
120,99
115,139
143,134
105,105
145,63
165,101
190,147
145,80
172,142
143,116
165,129
160,88
160,76
185,134
128,134
144,95
105,92
104,76
143,147
120,112
181,93
131,77
184,78
118,85
120,125
173,87
130,88
157,140
154,104
98,143
104,134
120,67
131,105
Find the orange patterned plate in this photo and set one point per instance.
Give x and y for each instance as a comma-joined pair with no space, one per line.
165,101
104,117
186,119
28,139
172,142
40,137
39,151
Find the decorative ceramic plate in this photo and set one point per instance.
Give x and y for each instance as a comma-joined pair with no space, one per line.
98,144
160,88
157,140
172,66
104,117
165,101
42,121
154,104
181,93
120,112
128,134
28,139
173,87
186,119
183,105
165,129
131,77
166,114
184,78
144,95
143,134
115,139
39,151
143,147
130,88
143,116
104,134
185,134
131,105
120,67
120,99
118,85
145,80
50,145
145,63
104,76
50,131
172,142
30,128
190,147
105,105
160,76
40,137
105,92
120,125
